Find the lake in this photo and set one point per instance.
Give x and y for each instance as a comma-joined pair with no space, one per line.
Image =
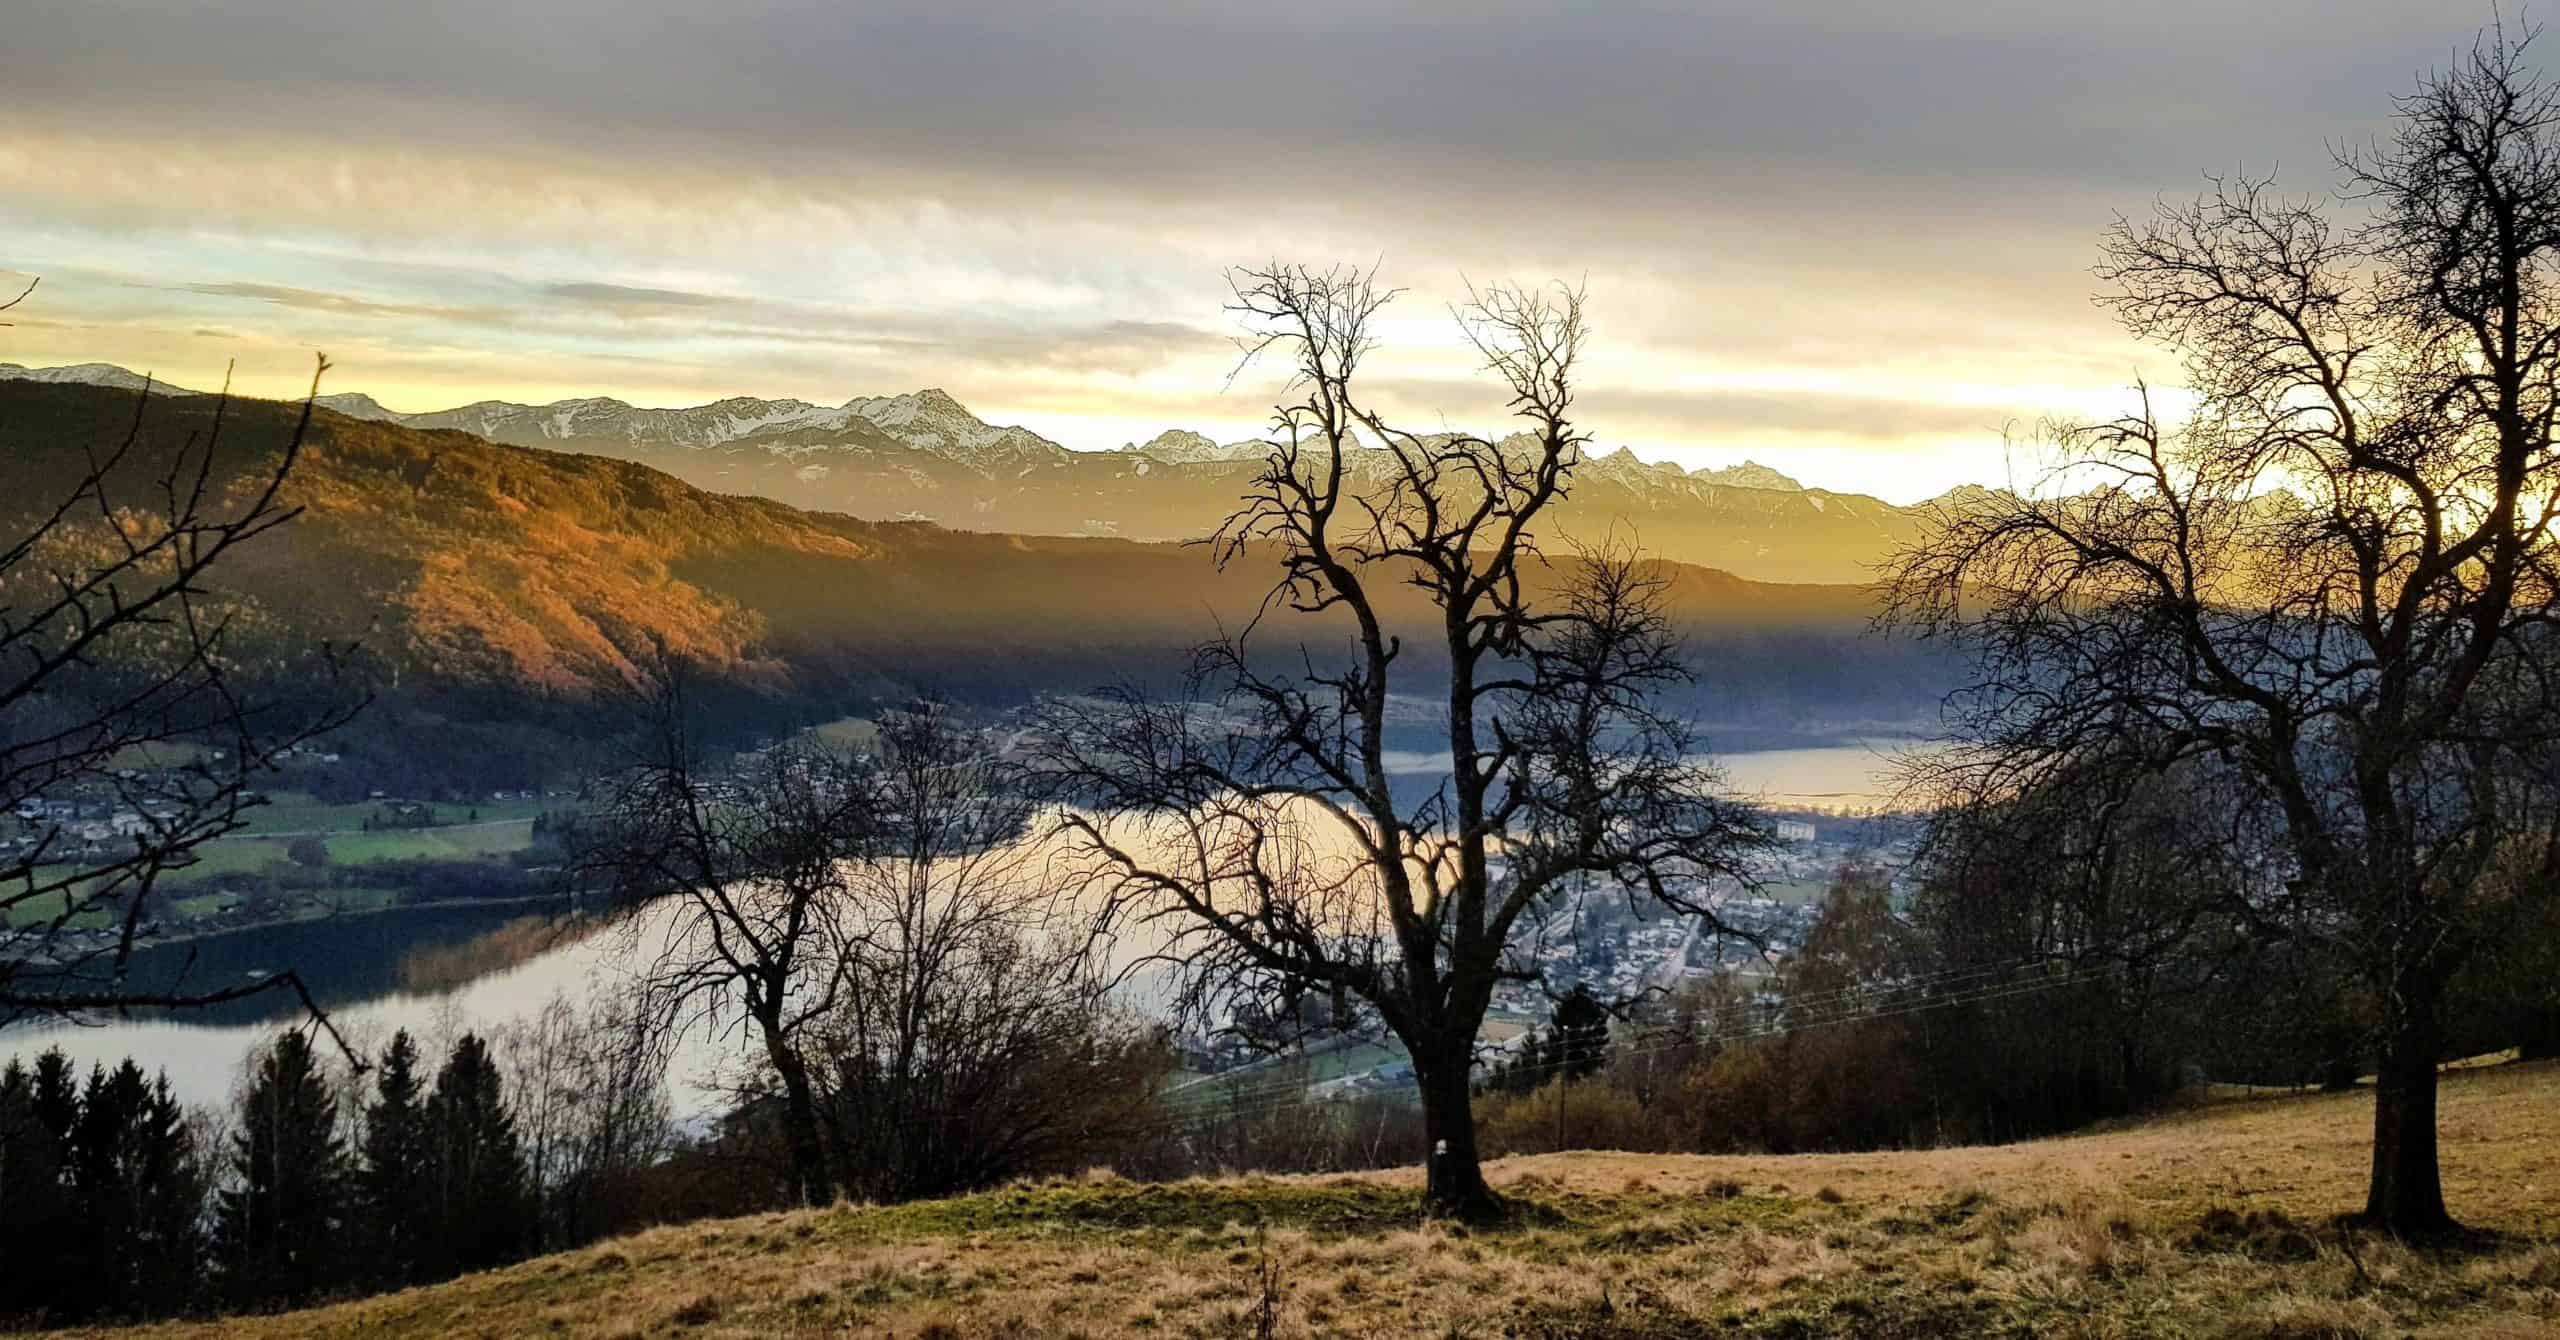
445,968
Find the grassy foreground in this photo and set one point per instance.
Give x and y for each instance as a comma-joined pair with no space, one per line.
2214,1222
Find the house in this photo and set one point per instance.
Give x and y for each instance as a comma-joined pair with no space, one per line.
1795,830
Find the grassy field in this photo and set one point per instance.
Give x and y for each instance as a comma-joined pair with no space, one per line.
297,812
847,733
465,831
2214,1222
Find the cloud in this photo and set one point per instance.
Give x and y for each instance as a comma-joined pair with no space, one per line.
339,304
1736,413
625,298
1720,93
1866,222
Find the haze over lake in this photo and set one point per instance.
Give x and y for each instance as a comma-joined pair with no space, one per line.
365,967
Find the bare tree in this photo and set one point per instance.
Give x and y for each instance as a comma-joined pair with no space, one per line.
587,1088
2332,577
729,881
1261,836
974,1040
129,736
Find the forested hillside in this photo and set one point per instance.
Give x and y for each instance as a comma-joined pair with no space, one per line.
492,582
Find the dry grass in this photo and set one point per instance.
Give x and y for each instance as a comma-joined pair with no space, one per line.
2216,1222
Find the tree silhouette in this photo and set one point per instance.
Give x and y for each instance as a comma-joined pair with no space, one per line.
2365,645
481,1209
1255,828
281,1228
395,1164
116,643
1581,1034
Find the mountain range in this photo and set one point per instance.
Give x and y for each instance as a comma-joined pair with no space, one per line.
490,581
924,456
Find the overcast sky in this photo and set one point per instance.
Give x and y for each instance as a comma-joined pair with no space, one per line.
1848,239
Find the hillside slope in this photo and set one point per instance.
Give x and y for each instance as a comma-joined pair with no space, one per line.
924,455
502,575
2207,1223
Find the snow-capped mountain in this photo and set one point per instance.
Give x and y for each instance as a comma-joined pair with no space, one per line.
1181,446
89,374
1749,475
715,424
925,456
932,421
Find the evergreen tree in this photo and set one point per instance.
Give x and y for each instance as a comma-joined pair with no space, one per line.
167,1181
38,1110
30,1189
57,1105
280,1226
394,1175
1580,1039
138,1194
481,1212
109,1109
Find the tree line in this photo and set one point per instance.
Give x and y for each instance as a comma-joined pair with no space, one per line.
124,1205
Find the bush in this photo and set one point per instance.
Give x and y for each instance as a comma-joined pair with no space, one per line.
1571,1114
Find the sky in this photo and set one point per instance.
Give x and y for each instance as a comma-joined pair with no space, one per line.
1852,239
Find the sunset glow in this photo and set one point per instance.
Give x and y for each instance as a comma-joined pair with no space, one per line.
998,201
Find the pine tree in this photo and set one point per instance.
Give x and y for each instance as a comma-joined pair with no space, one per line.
38,1110
57,1103
482,1213
110,1106
31,1191
138,1195
279,1227
167,1183
394,1176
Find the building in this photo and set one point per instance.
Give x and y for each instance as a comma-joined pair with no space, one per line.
1795,830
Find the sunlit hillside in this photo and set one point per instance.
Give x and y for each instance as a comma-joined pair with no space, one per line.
476,570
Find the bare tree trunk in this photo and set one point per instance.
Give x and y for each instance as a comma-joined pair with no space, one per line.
1453,1182
2406,1195
809,1182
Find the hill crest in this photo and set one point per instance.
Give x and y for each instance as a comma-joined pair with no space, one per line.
924,455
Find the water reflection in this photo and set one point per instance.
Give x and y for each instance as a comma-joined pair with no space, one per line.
428,969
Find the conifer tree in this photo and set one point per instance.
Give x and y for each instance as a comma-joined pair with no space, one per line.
280,1226
100,1141
393,1177
167,1183
138,1196
29,1186
57,1104
1581,1037
38,1109
481,1209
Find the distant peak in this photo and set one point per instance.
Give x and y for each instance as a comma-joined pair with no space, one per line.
89,374
355,405
1181,446
930,403
1749,475
1967,495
